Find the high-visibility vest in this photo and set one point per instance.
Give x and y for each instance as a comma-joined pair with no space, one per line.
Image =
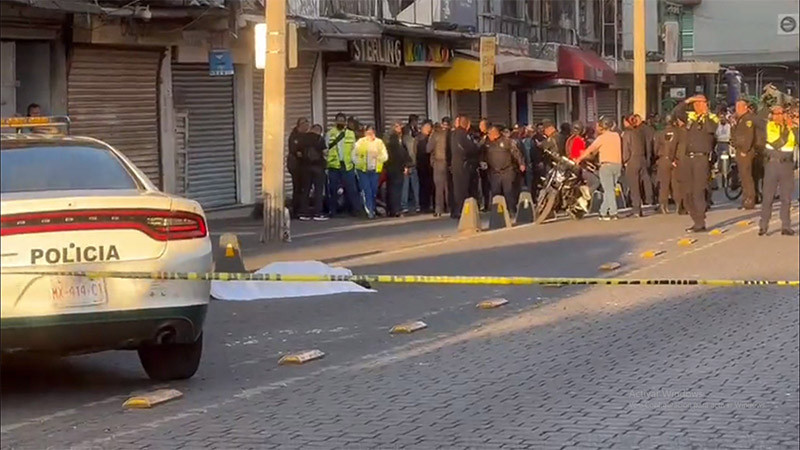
775,131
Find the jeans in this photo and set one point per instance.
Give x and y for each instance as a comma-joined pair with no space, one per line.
369,184
411,179
609,175
347,179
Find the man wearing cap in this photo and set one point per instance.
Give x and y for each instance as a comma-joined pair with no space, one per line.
778,176
743,140
701,126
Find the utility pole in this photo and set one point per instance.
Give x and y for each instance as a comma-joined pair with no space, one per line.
272,169
639,60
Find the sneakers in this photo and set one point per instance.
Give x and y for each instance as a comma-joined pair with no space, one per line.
320,218
304,218
605,218
787,232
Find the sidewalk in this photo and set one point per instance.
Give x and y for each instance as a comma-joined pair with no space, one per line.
334,240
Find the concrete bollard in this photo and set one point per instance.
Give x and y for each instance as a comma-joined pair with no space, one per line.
470,221
525,208
499,217
228,256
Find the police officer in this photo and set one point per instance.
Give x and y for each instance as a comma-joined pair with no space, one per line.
439,151
743,140
781,140
465,156
666,142
635,162
679,192
701,126
503,158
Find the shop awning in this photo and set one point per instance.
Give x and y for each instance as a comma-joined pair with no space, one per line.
504,64
584,66
463,75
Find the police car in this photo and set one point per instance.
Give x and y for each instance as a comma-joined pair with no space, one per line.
76,204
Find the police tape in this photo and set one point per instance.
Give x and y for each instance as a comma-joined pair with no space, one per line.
411,279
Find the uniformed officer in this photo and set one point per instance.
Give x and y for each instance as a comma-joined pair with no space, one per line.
781,140
701,125
679,193
503,158
636,165
666,142
743,140
465,158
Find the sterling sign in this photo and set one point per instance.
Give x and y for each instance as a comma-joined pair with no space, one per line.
386,51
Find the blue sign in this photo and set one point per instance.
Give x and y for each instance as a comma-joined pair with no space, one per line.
220,63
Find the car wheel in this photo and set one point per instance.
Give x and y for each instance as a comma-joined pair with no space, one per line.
165,362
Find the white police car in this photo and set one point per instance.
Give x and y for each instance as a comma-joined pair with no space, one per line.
76,204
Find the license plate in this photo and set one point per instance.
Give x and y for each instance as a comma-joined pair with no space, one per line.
70,292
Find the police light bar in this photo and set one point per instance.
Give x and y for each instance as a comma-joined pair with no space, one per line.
34,122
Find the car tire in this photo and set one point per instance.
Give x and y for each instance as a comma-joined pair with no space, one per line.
166,362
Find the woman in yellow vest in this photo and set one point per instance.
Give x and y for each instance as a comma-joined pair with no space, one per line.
369,154
780,144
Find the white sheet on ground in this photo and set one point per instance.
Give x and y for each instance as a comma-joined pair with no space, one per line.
259,290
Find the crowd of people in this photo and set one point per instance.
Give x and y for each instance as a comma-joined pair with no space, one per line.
426,167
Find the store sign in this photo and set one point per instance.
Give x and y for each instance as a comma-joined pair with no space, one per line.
488,52
428,54
787,24
386,51
678,92
220,63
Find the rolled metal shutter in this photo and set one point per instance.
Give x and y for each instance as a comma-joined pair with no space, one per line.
543,111
607,103
298,104
625,102
405,92
211,155
469,103
112,95
349,90
498,103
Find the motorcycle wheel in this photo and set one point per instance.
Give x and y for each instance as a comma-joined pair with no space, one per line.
733,185
545,206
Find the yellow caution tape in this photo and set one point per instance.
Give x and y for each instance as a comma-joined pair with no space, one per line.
411,279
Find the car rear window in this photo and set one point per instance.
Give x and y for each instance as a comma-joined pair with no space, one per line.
62,168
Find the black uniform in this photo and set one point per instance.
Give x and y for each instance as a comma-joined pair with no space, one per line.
425,172
743,140
634,158
504,159
395,166
666,148
311,148
695,166
485,181
679,193
465,155
778,170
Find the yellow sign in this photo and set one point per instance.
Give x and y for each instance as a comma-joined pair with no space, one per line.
488,51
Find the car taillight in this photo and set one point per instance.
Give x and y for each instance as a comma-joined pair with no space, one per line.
159,225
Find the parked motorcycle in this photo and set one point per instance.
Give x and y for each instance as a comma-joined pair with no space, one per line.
563,189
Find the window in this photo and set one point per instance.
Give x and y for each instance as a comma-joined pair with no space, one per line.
687,33
511,8
534,10
61,168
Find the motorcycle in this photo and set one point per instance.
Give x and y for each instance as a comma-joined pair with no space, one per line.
563,189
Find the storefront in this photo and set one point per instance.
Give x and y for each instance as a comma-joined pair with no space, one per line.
607,104
498,105
208,101
350,89
113,96
32,60
298,104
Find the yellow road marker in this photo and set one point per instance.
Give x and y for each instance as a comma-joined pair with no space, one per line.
229,251
744,223
718,231
652,254
409,327
152,399
301,357
492,303
609,266
686,242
